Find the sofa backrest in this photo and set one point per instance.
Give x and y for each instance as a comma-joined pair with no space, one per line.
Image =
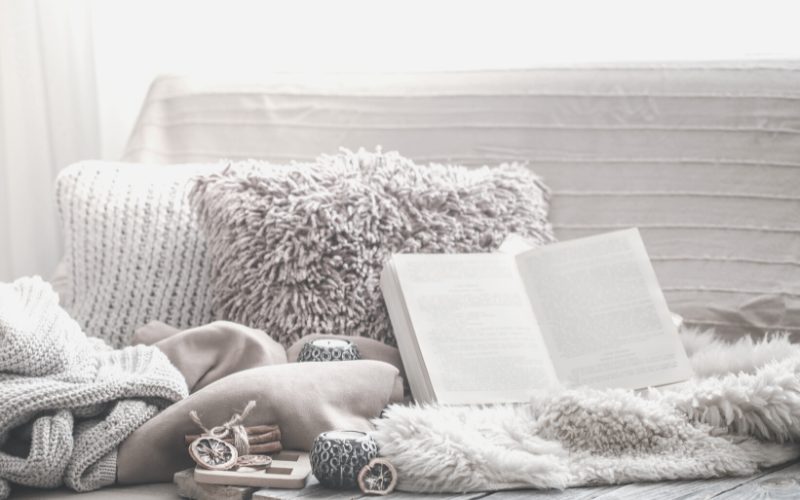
703,158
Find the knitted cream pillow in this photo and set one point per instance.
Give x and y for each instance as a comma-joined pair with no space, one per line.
299,249
133,248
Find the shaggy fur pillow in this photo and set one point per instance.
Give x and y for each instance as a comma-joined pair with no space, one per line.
299,249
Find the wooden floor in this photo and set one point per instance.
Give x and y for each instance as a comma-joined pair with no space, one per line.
782,482
779,482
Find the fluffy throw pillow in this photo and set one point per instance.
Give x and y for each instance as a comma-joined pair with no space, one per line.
298,249
134,251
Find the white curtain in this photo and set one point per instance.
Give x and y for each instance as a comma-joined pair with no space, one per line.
48,119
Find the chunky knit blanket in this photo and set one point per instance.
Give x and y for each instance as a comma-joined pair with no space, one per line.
67,401
740,412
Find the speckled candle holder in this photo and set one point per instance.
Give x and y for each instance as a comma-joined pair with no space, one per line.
338,456
328,350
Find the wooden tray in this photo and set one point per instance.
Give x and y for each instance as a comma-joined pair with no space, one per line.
289,469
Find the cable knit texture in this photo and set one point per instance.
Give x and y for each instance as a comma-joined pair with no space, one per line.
66,400
134,250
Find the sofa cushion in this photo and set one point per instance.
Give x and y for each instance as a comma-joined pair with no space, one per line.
298,249
134,252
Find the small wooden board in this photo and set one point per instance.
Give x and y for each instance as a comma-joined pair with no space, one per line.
189,488
289,469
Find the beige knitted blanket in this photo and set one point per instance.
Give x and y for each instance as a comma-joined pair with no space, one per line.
67,401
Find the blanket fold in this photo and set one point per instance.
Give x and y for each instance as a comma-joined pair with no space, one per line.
227,364
67,401
211,352
303,399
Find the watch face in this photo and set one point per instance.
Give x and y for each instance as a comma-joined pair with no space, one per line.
212,453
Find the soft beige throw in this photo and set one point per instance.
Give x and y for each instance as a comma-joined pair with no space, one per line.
212,352
304,399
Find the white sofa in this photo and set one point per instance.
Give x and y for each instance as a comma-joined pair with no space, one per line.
703,158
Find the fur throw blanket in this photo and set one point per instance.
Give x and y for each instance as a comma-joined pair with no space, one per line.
740,412
67,401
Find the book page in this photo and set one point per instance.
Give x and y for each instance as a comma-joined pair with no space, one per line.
474,326
602,313
416,372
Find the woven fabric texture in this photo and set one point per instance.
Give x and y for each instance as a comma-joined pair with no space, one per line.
134,251
298,249
66,400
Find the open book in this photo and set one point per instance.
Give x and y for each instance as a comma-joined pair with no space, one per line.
493,327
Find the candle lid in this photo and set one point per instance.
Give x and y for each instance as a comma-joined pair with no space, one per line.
331,343
344,434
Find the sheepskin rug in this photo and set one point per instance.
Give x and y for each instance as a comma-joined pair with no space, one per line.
739,413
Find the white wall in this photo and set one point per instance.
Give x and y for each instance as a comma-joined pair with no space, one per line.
134,41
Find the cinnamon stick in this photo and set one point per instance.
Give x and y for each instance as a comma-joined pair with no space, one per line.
270,447
267,437
261,429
